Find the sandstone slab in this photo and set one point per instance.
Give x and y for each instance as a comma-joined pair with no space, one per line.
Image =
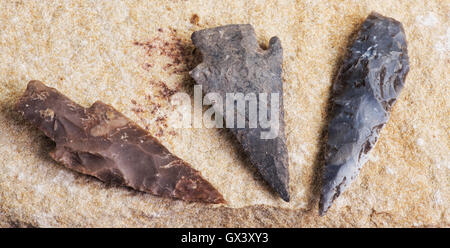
134,55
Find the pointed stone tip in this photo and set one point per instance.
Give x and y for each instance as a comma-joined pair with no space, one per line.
220,201
285,196
218,197
214,197
322,211
279,182
280,185
325,203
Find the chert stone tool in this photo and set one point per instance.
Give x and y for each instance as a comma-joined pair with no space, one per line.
364,92
101,142
233,62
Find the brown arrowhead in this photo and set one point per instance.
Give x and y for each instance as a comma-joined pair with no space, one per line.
101,142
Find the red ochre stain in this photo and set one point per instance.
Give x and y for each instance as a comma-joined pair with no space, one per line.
179,51
165,91
153,109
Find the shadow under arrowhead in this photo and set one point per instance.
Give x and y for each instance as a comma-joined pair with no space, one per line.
101,142
234,63
365,89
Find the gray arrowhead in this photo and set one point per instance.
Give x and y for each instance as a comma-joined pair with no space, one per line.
366,87
233,62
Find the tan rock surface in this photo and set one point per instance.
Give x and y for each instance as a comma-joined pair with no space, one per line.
135,54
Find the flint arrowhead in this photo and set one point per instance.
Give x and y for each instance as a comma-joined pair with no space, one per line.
101,142
234,63
366,88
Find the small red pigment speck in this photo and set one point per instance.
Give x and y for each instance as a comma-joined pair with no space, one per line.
160,118
195,19
137,110
165,91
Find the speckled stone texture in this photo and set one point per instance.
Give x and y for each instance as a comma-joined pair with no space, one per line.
134,55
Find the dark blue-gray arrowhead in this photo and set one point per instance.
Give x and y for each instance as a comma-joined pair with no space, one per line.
366,87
